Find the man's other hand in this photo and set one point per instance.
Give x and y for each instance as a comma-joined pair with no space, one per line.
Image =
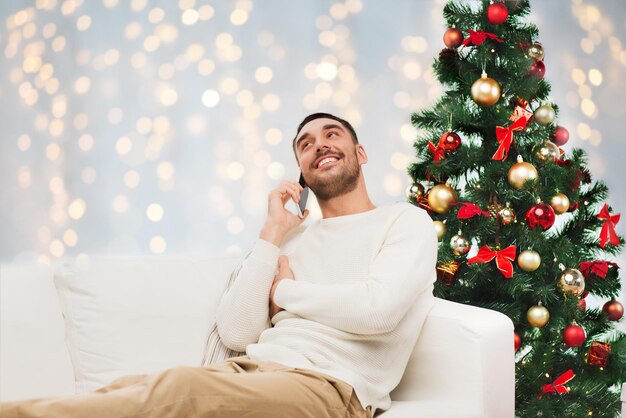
280,220
284,272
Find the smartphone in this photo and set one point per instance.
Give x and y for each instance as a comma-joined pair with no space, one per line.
303,196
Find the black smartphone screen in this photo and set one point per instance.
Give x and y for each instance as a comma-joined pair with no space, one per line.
303,196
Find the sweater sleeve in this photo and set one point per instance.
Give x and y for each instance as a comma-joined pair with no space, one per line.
403,269
243,311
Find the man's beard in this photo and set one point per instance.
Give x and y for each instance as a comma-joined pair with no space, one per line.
328,187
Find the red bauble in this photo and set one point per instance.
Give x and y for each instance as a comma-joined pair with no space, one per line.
572,206
582,305
453,38
613,310
497,13
538,69
560,137
574,335
450,141
541,215
517,341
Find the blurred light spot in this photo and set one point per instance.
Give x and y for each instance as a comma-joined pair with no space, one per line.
161,125
144,125
414,44
49,30
56,127
245,98
206,12
24,177
275,170
587,45
354,6
276,53
166,71
210,98
323,90
408,132
596,138
109,4
138,5
115,115
252,112
196,124
57,249
123,145
154,212
584,131
206,66
402,99
354,116
157,244
165,170
194,52
31,64
262,159
131,179
151,43
23,142
327,71
77,208
186,4
346,72
584,91
235,171
82,85
81,121
310,101
273,136
132,30
53,151
595,77
57,214
327,38
120,203
88,175
399,160
85,142
156,15
229,85
44,235
393,185
412,70
265,38
238,17
70,237
168,96
339,11
310,71
223,40
68,7
83,23
270,102
235,225
323,22
58,44
263,75
189,17
589,108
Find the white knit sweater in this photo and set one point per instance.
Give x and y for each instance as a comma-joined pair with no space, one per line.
362,290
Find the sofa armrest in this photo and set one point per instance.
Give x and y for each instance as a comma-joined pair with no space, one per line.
464,355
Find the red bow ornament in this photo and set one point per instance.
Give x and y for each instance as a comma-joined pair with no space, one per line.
558,386
505,138
469,210
504,259
608,234
477,37
599,268
437,151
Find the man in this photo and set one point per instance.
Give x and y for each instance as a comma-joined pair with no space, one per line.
327,315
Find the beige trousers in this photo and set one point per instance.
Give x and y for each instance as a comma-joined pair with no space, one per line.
236,388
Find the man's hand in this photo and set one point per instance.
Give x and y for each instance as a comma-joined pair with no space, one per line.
284,272
279,220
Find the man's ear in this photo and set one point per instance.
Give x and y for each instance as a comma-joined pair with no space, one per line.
361,154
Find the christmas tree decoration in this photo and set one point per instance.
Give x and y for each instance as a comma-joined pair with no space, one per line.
469,210
453,38
536,51
517,341
460,244
446,272
504,259
521,172
477,37
572,206
613,310
545,115
440,229
538,316
571,282
505,138
529,260
598,354
414,192
560,136
558,386
596,269
441,197
497,13
485,91
437,152
545,152
607,233
574,335
540,215
450,141
560,203
582,304
506,215
537,69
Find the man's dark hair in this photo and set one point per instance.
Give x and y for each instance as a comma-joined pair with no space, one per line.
314,116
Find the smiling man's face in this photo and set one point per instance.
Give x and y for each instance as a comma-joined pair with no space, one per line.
329,158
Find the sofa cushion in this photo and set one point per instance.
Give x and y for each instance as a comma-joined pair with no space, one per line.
133,315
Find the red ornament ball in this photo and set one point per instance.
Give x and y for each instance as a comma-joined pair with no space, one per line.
450,141
517,341
453,38
540,215
572,206
538,69
497,13
582,305
560,136
613,310
574,335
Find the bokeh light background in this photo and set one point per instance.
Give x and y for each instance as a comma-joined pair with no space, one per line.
159,127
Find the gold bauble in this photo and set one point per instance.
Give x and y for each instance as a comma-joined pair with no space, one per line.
529,260
460,244
440,228
506,215
538,316
560,203
414,191
546,152
571,282
486,91
536,51
440,197
521,172
545,115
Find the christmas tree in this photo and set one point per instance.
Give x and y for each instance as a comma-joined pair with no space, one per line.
523,228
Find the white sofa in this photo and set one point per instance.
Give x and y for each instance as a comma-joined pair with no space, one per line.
72,326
